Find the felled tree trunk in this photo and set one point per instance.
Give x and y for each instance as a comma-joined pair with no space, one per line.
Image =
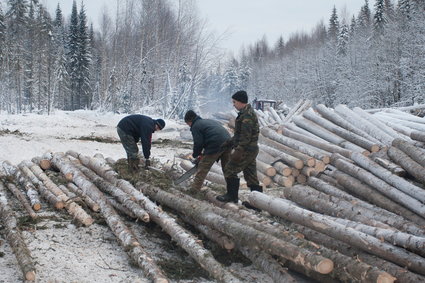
401,274
413,152
283,181
319,131
29,188
189,243
14,237
307,160
87,200
394,180
332,116
266,168
123,198
22,199
349,136
394,168
51,198
363,124
284,157
366,192
360,240
380,185
73,208
410,165
241,233
319,202
120,230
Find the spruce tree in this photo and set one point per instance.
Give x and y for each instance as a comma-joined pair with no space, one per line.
72,59
84,60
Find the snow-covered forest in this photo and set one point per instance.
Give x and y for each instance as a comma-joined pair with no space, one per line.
158,53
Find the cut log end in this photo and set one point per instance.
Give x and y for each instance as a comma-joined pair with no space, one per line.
299,164
286,172
146,218
385,278
59,205
30,275
374,148
326,159
69,177
325,266
45,164
36,207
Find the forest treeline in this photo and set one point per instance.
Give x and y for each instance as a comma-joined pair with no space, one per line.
159,54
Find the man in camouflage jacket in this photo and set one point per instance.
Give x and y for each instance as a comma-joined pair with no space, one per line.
245,150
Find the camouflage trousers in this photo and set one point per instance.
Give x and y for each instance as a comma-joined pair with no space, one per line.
205,165
247,164
129,144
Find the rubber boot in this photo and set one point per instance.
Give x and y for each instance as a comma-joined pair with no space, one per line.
232,191
133,164
256,188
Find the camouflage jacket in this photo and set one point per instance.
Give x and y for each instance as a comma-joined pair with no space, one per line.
246,130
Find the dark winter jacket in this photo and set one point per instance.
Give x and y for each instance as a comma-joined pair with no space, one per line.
141,128
208,135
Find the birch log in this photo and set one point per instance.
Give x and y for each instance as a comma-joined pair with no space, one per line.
186,240
22,199
14,237
366,192
307,160
363,124
30,190
338,120
413,152
401,274
349,136
282,156
245,235
415,169
380,185
73,208
120,230
319,131
392,179
365,242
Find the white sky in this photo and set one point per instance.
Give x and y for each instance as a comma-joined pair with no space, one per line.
243,22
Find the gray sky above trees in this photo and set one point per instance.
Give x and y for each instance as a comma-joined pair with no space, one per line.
243,22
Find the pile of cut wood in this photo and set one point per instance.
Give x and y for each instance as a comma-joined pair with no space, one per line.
358,216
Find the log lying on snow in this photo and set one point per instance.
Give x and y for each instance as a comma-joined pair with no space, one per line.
366,192
357,121
87,200
415,169
332,116
186,240
400,274
380,185
14,237
345,270
412,151
365,242
23,200
241,233
121,231
30,190
48,195
349,136
319,131
394,180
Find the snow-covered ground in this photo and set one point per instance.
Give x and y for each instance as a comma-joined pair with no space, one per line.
63,252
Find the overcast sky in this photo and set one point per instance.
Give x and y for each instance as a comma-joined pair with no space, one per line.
243,21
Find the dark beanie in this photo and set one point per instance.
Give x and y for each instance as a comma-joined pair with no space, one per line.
241,96
190,116
160,123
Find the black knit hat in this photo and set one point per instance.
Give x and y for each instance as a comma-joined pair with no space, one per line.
241,96
160,123
190,116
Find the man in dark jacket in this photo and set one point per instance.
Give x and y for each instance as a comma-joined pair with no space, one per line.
208,136
137,127
245,145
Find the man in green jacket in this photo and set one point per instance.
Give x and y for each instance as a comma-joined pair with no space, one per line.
245,150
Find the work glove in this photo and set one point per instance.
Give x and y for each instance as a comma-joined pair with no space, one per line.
237,155
147,163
